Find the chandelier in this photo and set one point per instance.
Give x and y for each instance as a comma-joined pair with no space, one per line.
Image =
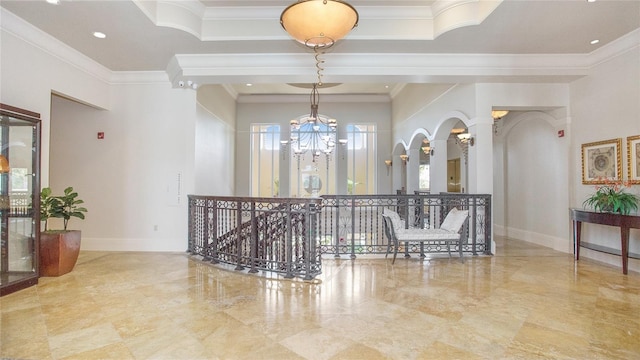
314,134
318,24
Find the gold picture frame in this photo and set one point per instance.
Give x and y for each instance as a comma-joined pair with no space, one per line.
601,160
633,159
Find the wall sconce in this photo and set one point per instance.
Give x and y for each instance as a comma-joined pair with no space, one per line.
388,163
466,138
499,114
404,158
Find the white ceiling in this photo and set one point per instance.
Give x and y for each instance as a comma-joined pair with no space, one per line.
243,31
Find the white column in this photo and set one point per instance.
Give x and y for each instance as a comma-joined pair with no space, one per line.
286,166
397,169
413,170
481,162
438,167
481,157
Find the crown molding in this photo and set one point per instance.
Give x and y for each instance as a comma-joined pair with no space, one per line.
410,68
615,48
23,30
229,23
344,67
304,98
397,89
453,14
139,77
231,91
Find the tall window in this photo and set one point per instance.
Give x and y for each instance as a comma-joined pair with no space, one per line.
424,177
361,140
265,160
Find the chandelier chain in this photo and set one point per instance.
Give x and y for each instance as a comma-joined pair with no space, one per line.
319,62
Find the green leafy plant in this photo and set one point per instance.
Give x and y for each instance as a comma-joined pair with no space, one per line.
611,197
351,186
64,206
48,203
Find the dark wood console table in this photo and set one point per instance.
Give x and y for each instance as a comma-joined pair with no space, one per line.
624,222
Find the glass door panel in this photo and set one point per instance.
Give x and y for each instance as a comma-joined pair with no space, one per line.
19,199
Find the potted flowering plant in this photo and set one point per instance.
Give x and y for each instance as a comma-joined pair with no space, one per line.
611,197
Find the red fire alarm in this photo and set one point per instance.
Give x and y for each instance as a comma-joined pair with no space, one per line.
101,135
560,133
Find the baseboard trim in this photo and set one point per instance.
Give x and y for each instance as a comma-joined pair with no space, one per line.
553,242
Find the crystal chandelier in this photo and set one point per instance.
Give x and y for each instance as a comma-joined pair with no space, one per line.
314,134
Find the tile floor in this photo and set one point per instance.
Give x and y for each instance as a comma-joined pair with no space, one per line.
527,302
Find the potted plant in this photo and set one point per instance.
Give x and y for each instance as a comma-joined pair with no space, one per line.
611,197
59,249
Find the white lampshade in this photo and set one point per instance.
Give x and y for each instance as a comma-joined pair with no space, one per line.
319,23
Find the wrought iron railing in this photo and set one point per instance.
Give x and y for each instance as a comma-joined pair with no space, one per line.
352,225
270,234
289,235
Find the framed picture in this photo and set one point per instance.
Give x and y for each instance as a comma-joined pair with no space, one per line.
601,161
633,159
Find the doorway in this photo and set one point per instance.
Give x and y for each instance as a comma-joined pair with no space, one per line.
453,175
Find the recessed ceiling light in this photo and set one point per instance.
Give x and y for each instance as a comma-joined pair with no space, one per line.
99,35
54,2
593,42
249,84
591,0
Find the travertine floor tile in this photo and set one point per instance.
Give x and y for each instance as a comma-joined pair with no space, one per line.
526,302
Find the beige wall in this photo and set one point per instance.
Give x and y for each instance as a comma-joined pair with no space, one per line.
605,105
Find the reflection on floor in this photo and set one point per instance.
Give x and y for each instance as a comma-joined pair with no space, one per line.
527,302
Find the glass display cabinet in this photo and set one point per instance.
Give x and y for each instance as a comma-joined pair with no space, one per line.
19,198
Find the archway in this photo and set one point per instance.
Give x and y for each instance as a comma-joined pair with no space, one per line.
531,180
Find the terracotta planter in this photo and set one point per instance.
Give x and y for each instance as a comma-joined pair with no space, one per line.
58,252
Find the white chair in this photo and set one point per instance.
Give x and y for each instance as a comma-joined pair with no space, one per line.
450,231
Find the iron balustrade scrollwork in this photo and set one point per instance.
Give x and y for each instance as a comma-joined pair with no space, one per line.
352,224
270,234
290,235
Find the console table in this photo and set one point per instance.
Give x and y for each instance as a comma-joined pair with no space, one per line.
624,222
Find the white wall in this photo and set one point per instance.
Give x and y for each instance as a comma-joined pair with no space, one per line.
536,182
281,109
413,98
605,105
215,142
29,73
136,179
134,182
473,103
429,116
